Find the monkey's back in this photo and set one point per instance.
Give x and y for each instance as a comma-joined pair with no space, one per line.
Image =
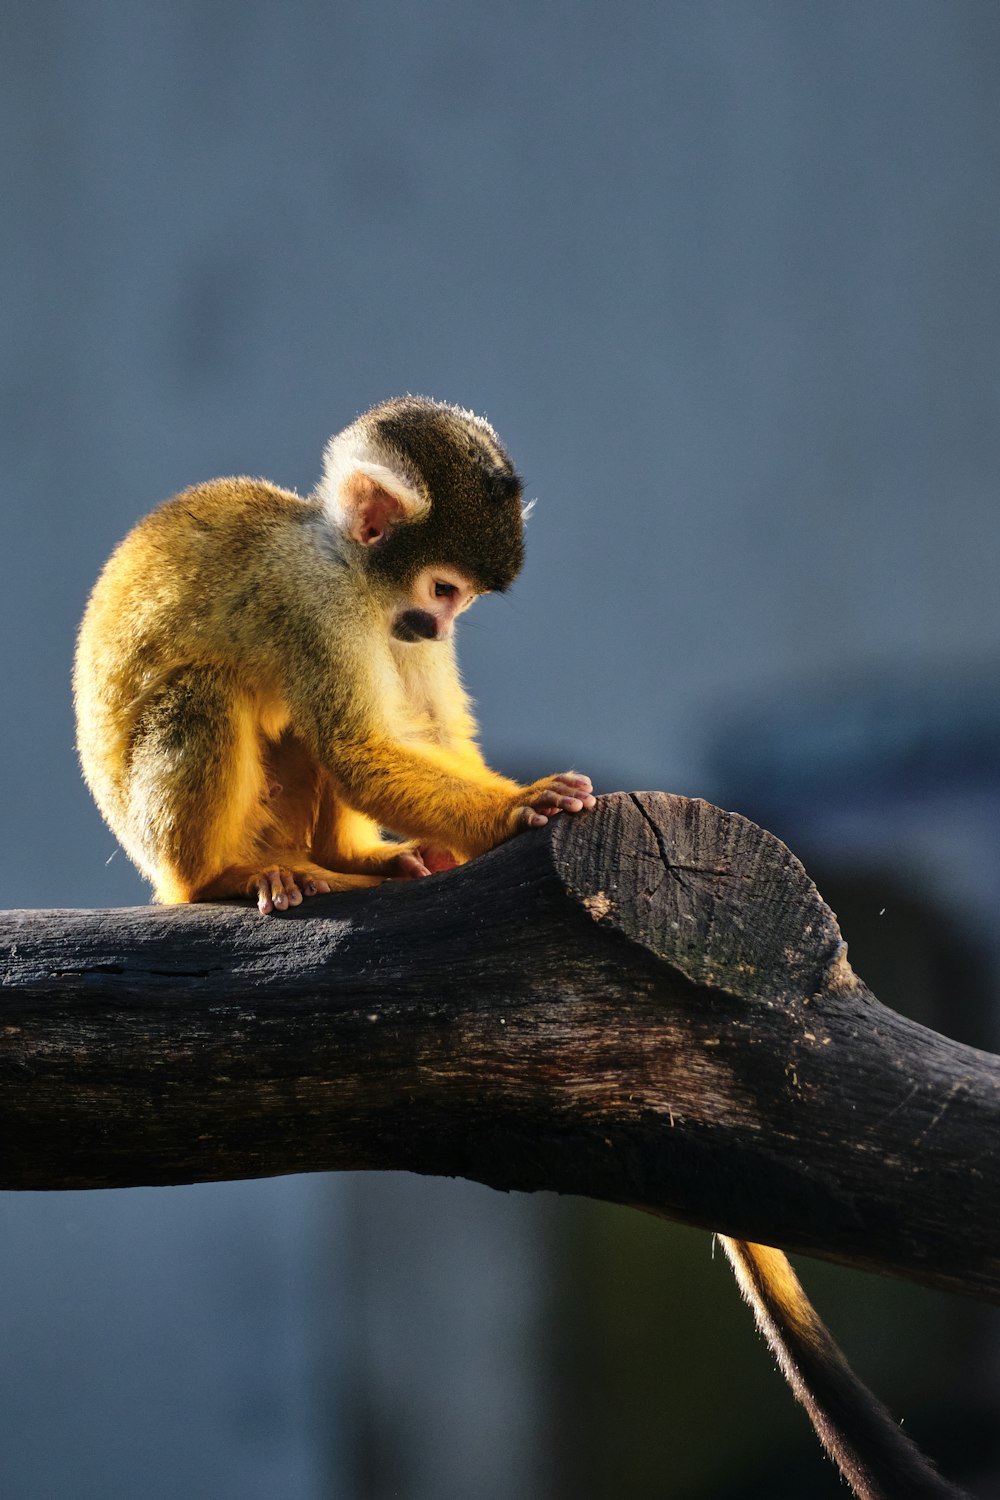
197,582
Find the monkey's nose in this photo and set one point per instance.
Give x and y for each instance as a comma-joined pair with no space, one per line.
417,625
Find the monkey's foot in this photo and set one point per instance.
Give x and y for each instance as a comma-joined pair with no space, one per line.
283,886
568,792
280,888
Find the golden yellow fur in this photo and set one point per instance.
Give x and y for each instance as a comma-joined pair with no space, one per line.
243,705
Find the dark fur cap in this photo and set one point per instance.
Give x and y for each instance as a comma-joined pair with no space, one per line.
472,515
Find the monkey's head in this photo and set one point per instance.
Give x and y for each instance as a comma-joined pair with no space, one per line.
430,505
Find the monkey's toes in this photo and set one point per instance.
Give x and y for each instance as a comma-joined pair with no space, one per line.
277,890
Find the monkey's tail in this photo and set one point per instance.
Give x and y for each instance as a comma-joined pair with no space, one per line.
874,1457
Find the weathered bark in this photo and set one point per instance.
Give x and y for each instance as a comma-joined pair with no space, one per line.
649,1004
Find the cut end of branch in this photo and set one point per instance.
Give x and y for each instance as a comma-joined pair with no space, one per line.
708,891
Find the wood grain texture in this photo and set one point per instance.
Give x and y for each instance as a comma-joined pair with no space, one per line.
649,1004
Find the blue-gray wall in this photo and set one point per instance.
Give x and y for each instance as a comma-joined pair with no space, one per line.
724,276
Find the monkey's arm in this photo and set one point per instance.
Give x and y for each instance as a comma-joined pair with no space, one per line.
408,790
346,700
465,759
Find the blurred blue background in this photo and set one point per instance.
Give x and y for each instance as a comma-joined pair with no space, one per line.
724,277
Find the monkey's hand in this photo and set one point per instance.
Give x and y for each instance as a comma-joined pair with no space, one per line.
534,805
414,861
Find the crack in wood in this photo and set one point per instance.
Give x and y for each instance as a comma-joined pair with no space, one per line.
669,867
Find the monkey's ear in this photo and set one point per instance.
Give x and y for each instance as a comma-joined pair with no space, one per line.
369,510
365,499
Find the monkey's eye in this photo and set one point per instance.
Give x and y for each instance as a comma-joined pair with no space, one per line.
444,590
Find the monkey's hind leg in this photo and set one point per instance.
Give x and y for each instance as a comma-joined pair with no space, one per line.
344,839
290,863
199,799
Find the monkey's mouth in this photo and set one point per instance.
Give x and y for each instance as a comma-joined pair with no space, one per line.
415,625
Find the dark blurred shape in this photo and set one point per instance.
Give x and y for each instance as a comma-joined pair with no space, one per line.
896,734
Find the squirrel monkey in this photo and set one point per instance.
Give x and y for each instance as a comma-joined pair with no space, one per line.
264,682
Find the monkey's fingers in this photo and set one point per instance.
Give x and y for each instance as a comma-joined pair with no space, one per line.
437,859
414,861
409,865
567,792
527,817
576,788
566,781
555,802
